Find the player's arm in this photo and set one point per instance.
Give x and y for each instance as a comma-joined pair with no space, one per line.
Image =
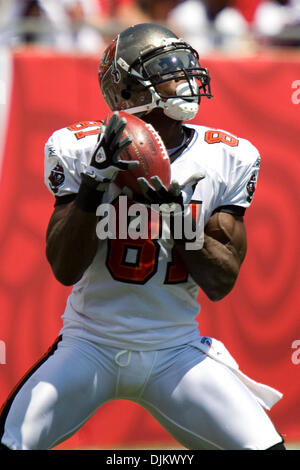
216,266
71,239
71,242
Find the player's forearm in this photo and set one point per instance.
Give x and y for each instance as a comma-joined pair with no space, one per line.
71,243
214,268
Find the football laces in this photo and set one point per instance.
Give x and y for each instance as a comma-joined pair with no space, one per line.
158,139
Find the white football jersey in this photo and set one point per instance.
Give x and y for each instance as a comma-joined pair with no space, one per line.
136,294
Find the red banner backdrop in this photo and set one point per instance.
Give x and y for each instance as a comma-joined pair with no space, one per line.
258,322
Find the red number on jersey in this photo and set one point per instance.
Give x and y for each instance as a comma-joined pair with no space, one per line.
145,264
139,271
176,270
136,261
214,137
79,126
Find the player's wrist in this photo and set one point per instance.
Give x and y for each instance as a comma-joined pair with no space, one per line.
90,194
103,175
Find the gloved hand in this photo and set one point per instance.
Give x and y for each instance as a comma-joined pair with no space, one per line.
105,162
177,195
174,203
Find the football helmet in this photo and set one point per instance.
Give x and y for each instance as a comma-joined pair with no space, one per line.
142,57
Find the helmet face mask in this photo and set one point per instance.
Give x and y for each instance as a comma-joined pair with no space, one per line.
145,56
179,62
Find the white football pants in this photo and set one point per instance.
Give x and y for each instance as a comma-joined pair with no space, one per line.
199,401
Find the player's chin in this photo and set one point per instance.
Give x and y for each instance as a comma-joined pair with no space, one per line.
155,115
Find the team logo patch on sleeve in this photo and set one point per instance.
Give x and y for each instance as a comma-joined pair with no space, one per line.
56,178
251,185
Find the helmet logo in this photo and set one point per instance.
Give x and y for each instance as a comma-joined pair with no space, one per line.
108,62
107,59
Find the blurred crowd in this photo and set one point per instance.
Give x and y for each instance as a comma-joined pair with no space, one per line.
88,25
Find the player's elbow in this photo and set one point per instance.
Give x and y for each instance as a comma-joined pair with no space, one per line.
217,290
66,281
215,295
66,277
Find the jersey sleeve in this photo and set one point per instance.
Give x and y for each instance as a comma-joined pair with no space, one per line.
61,168
231,177
241,177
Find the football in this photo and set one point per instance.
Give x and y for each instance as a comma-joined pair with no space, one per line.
148,148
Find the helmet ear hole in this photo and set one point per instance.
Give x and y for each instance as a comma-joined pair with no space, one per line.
126,94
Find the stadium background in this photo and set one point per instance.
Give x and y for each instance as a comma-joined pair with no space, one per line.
254,97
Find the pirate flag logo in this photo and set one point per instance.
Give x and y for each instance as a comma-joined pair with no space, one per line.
251,185
56,178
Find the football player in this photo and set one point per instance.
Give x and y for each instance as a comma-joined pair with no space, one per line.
129,327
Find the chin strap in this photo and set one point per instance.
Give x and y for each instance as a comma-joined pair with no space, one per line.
179,109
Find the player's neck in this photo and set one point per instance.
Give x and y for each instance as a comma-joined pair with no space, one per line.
171,131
